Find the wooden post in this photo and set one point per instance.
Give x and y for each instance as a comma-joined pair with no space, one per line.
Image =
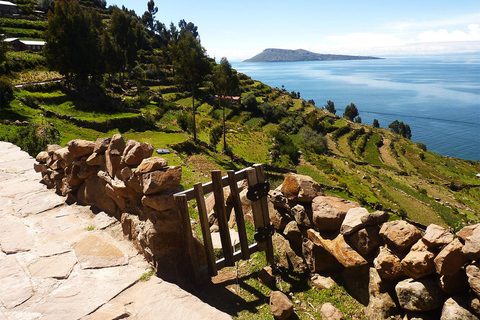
182,204
265,213
219,209
207,238
237,205
256,207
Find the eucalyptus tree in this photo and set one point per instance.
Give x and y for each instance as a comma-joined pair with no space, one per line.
226,84
191,65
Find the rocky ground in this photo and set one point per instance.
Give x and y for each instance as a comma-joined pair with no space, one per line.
65,262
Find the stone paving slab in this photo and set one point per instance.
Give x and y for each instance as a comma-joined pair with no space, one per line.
64,262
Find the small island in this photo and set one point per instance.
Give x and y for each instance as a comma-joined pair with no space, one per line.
285,55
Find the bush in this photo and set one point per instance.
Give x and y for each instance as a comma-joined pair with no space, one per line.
215,135
284,146
185,121
6,93
313,141
32,138
250,102
273,113
422,146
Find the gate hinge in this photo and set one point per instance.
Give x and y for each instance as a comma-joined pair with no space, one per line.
258,191
263,233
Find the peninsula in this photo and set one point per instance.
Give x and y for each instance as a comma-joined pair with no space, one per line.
284,55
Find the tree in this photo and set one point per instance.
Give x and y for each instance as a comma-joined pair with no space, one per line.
72,41
401,129
351,112
226,84
330,106
148,18
358,120
250,102
191,66
376,124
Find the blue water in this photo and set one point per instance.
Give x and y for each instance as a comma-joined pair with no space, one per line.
438,96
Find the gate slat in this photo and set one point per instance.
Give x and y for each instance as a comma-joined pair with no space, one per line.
256,207
237,206
219,209
182,205
207,237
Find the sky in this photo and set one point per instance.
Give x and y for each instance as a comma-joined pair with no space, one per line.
239,30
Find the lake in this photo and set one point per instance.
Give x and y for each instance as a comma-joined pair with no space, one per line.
437,96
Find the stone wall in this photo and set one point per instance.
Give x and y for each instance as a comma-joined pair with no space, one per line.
124,180
392,267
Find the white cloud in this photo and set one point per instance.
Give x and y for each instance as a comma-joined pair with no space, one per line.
443,35
416,25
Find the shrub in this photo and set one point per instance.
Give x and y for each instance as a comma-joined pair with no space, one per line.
422,146
32,138
284,145
273,113
185,121
6,93
313,141
215,135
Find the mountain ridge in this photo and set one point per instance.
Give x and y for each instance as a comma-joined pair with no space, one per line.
288,55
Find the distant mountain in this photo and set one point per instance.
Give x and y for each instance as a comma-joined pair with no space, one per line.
284,55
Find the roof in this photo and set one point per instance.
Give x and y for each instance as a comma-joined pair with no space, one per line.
33,43
7,3
11,39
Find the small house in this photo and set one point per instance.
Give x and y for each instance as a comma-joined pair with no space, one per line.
8,8
22,45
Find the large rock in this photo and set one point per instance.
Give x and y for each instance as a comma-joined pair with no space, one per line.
322,283
436,236
358,218
399,234
300,188
317,258
302,216
366,240
93,192
338,248
96,159
456,308
473,274
163,200
329,212
419,295
160,180
64,155
329,312
135,152
42,157
380,304
388,264
113,155
466,232
288,257
280,306
150,164
279,217
471,249
456,284
418,264
101,145
451,259
80,148
293,233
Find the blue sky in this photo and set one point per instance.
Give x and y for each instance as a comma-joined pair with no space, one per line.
239,30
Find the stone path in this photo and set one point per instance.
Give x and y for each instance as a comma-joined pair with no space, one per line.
64,262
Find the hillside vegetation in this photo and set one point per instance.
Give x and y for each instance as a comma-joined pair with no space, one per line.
143,98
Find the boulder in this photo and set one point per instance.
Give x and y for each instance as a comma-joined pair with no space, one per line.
160,180
456,308
40,167
338,248
150,164
380,303
418,264
113,155
471,249
163,200
64,155
329,212
399,234
329,312
42,157
293,233
317,258
280,306
456,284
475,304
366,240
80,148
51,148
300,188
388,264
419,295
96,159
322,283
436,236
101,145
302,217
451,259
279,217
473,274
136,152
358,218
466,232
266,276
287,256
278,199
93,192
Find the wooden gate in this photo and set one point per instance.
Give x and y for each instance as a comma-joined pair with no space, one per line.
257,191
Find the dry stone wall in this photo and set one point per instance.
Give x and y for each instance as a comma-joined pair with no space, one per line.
123,179
395,269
